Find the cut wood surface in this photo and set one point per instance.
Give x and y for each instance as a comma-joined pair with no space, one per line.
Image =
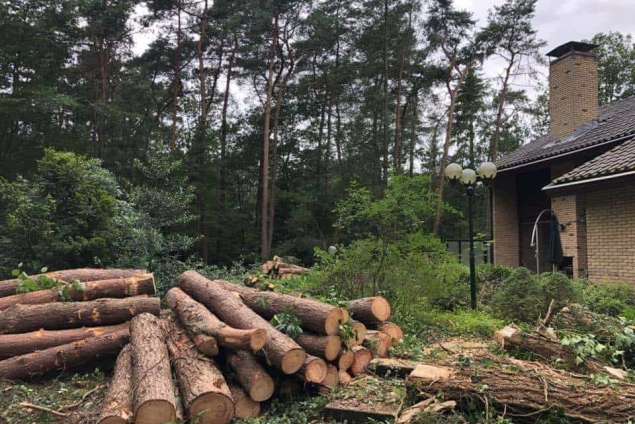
280,350
362,359
359,330
198,320
344,378
392,329
332,378
370,310
314,369
523,387
154,400
379,343
316,317
117,405
19,344
345,360
61,315
251,375
392,367
90,290
63,357
327,347
356,411
244,406
204,391
431,406
9,287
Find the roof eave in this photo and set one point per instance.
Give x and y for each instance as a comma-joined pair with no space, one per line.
553,186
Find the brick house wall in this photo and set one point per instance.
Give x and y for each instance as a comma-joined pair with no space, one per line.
570,210
505,217
610,217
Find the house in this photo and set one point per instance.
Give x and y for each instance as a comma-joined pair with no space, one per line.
582,172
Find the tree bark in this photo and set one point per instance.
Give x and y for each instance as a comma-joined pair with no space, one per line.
91,290
64,357
197,320
370,310
204,392
251,375
327,347
19,344
502,99
56,316
314,369
9,287
280,350
244,406
522,387
117,406
154,400
315,316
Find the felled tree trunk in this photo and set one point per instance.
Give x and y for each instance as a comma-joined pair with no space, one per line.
370,310
117,406
60,315
198,320
314,369
327,347
154,400
280,349
524,387
314,316
363,357
63,357
345,360
204,392
19,344
379,343
359,331
393,330
251,375
91,290
244,406
332,378
9,287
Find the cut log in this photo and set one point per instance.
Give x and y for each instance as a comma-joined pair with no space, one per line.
370,310
61,315
392,367
431,406
344,377
154,400
117,406
204,392
244,406
9,287
355,411
521,388
206,344
345,360
363,357
327,347
359,330
198,320
251,375
91,290
332,378
379,343
314,369
280,350
393,330
63,357
19,344
315,316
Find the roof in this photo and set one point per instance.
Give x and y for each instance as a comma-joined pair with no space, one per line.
618,160
570,47
616,122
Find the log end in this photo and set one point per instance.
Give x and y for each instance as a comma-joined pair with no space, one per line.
333,348
262,389
332,377
362,359
292,361
212,408
206,344
345,360
244,406
258,339
315,370
345,378
155,411
142,284
380,308
335,318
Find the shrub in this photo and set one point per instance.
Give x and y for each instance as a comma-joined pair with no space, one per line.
559,288
520,297
608,298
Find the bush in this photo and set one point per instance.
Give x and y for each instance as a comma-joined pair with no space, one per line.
559,288
520,297
608,298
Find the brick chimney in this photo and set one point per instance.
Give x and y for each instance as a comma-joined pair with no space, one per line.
573,87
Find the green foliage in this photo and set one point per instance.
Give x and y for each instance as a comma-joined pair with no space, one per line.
463,322
30,284
584,347
519,298
608,298
288,324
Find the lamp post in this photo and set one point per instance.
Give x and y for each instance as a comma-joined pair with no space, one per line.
469,177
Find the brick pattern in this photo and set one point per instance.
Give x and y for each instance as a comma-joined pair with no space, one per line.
573,93
506,232
570,211
610,214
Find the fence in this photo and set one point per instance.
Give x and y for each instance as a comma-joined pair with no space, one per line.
461,248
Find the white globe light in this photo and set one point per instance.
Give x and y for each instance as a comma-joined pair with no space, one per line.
468,177
487,170
332,250
453,171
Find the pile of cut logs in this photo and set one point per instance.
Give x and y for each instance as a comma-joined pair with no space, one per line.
213,355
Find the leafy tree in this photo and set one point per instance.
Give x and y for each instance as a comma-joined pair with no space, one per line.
616,57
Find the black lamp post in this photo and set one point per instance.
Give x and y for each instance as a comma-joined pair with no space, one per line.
468,177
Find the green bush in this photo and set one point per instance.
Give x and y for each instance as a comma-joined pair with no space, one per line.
559,288
608,298
519,298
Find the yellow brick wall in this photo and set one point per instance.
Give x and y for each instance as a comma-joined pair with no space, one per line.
573,88
506,248
570,212
611,233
